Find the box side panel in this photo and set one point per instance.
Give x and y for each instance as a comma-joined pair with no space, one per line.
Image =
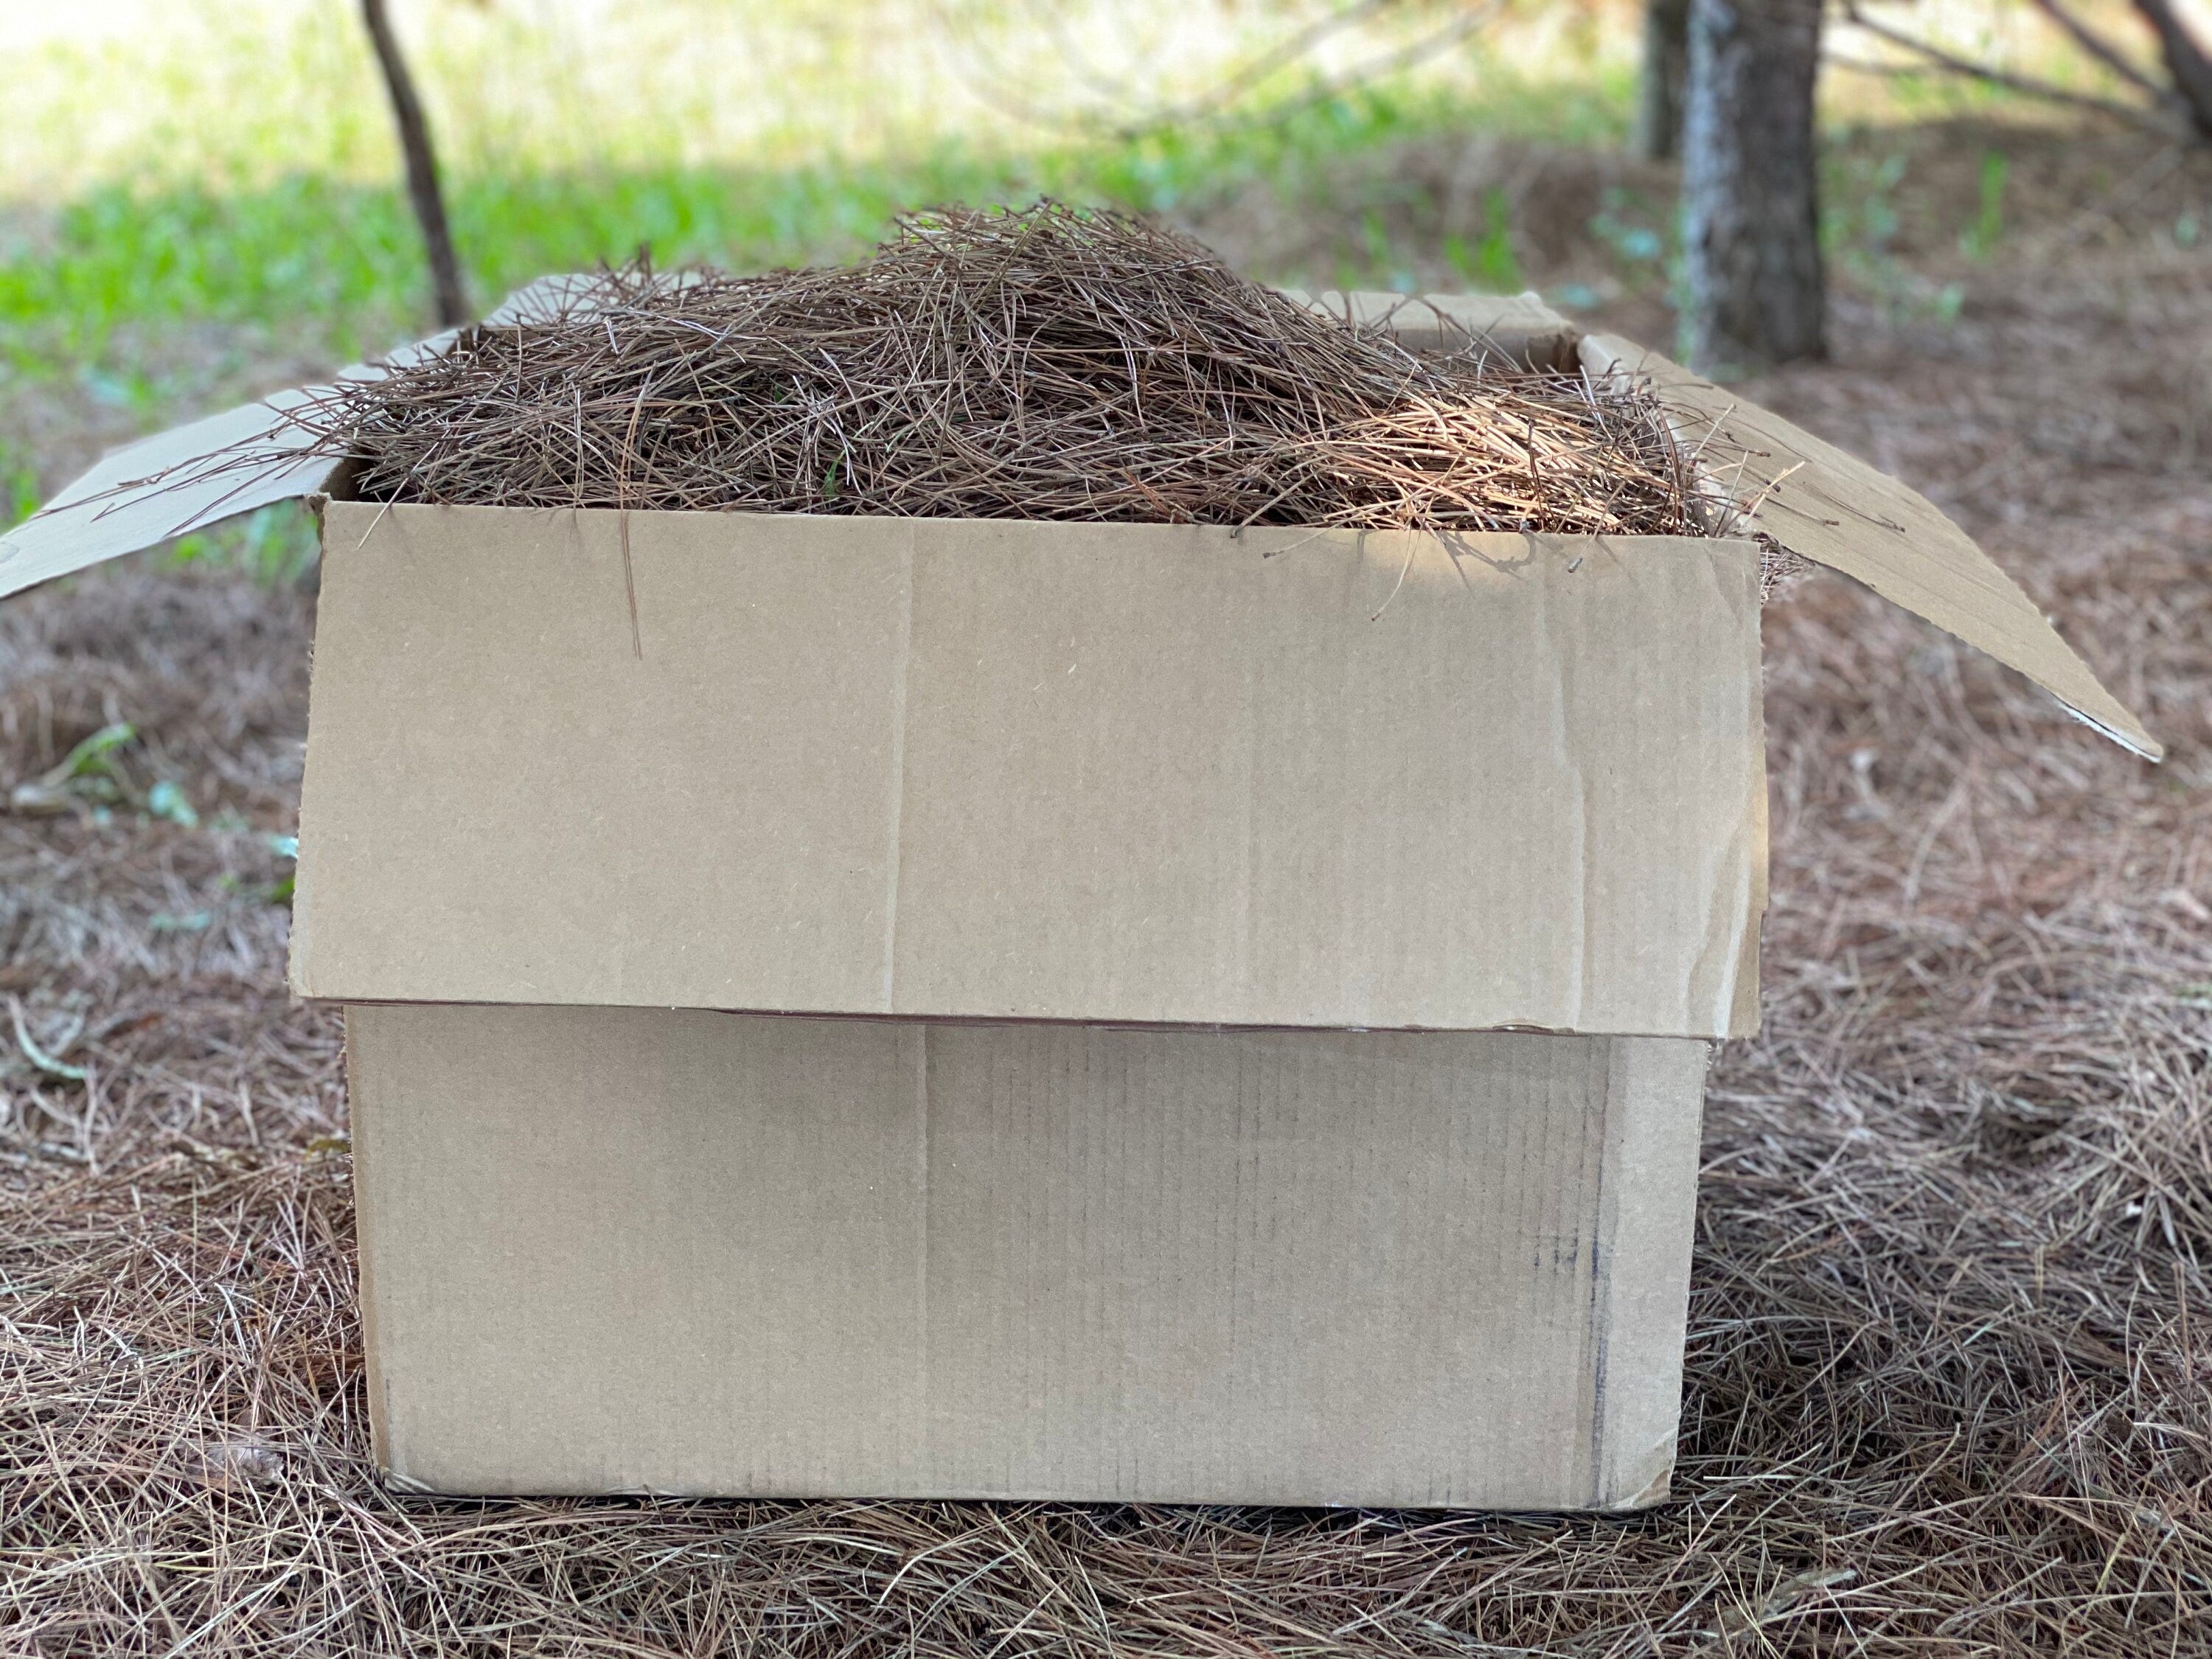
1000,770
1296,1268
362,1114
1363,783
679,1251
1654,1114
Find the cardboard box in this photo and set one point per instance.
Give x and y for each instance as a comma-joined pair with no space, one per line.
912,1007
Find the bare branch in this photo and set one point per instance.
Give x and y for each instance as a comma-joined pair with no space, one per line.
2101,49
2185,61
422,166
2025,85
1241,79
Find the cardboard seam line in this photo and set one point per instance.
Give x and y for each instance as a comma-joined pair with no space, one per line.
919,1038
1603,1223
894,857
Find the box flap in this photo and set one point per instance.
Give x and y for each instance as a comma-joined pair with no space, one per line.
187,478
1150,775
164,486
1518,326
1835,509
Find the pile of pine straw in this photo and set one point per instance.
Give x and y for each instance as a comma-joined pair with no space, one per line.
1040,363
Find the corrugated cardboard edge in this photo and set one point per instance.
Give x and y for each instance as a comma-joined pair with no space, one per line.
1836,510
1654,1091
360,1116
1518,326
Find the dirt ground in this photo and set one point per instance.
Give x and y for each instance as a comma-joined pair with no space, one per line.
1950,1370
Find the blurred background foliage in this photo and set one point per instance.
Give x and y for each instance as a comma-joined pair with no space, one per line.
201,199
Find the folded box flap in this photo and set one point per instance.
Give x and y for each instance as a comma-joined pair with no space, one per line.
166,486
187,478
1833,508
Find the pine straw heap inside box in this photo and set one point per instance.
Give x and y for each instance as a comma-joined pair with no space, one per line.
876,1002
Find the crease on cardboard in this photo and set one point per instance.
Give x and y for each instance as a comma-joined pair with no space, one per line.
895,842
1835,509
1564,740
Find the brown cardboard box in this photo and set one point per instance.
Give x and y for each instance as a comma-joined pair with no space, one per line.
925,1007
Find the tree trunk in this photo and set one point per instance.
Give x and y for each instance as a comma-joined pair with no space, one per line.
421,168
1666,74
1750,229
2186,61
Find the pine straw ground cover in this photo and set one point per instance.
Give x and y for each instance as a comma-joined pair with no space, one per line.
1950,1373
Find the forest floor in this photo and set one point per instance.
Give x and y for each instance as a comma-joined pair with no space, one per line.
1950,1363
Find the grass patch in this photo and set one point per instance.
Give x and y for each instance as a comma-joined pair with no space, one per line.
337,264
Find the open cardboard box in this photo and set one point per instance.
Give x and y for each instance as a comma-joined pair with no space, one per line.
893,1006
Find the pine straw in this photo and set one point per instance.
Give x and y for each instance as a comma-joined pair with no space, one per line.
1034,364
1930,1409
1950,1372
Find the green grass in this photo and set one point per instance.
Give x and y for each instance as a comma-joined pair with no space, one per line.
208,203
340,264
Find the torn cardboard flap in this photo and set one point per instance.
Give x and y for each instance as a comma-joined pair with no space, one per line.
1833,508
998,769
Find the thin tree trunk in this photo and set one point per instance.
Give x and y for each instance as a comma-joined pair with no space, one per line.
2185,61
1666,76
1751,228
422,166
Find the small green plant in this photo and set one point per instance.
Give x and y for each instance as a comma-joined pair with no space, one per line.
1490,263
167,800
86,776
1979,239
286,847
